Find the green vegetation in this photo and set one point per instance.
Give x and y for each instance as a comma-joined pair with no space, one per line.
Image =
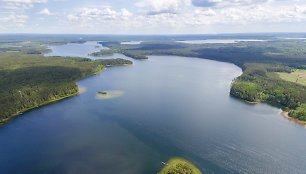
102,92
266,66
260,82
105,52
297,76
299,112
133,54
179,166
30,80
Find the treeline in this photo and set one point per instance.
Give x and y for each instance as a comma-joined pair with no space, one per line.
26,81
259,83
114,62
287,52
105,52
133,54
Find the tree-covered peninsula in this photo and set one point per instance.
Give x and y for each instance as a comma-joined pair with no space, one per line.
28,79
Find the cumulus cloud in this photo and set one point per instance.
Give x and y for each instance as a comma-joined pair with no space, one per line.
45,11
98,14
20,4
89,17
153,7
16,20
247,15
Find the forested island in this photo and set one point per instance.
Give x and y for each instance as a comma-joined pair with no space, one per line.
179,166
28,79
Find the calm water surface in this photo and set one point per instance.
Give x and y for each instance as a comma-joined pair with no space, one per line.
171,106
76,49
227,41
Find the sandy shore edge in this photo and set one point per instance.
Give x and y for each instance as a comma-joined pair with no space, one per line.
285,114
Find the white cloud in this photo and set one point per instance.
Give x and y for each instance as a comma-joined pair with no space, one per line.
26,1
14,20
90,17
247,15
45,11
155,16
15,5
208,12
153,7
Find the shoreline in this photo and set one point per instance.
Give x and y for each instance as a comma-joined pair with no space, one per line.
80,91
251,102
4,121
285,114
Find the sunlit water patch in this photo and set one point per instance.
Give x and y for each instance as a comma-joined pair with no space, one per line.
208,41
76,49
109,94
131,43
82,89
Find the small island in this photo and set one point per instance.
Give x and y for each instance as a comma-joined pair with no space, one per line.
179,165
102,92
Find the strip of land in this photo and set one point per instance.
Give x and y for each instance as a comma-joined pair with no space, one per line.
31,80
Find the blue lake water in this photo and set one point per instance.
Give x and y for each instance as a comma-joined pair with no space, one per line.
76,49
169,106
215,41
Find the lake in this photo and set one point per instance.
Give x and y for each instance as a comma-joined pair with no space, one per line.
168,106
216,41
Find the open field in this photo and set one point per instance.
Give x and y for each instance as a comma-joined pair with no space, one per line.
297,76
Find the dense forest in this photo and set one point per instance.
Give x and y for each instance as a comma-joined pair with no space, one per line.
259,82
28,80
260,61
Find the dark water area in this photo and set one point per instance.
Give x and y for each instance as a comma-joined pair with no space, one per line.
168,106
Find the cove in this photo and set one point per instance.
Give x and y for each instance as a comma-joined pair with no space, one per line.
172,106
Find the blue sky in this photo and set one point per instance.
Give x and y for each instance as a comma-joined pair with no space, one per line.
152,16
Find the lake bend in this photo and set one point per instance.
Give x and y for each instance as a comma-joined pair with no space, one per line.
168,106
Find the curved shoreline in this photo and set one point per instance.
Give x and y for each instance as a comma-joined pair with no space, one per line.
80,91
3,121
285,114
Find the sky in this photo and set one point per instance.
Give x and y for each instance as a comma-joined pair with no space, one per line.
152,16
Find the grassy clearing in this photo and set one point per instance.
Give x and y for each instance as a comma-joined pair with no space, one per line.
297,76
179,166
